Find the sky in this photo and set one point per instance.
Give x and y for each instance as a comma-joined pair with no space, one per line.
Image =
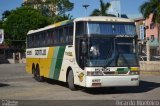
129,7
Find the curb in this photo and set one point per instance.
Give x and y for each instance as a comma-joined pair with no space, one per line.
150,72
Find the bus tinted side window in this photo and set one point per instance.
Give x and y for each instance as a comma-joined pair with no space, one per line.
28,41
47,38
66,34
80,28
56,38
37,40
43,39
33,42
52,37
60,34
70,33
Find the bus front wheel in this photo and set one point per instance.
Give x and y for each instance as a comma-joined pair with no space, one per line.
70,80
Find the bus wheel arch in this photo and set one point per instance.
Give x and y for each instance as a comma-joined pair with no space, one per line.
68,69
37,66
70,79
37,74
33,68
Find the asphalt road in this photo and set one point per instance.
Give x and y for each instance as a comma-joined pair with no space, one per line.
16,84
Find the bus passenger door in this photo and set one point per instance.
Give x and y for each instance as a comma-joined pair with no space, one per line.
81,51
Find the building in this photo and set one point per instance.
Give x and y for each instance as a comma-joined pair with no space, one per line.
140,28
24,1
153,36
152,32
149,38
38,4
115,8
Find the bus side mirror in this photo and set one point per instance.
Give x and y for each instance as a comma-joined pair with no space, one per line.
84,47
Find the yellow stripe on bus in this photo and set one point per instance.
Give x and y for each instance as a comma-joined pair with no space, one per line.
57,24
134,69
45,64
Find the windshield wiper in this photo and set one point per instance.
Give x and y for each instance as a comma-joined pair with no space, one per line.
125,60
109,61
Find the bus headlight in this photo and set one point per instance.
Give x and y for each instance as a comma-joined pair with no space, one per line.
94,73
134,73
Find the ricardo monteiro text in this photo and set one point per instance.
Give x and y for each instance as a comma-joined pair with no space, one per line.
125,103
148,103
137,103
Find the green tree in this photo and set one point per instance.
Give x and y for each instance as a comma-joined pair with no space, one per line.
103,9
64,6
1,24
5,14
152,7
51,8
19,22
63,17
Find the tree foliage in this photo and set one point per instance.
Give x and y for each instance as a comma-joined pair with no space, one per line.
103,9
20,21
59,18
51,8
5,14
1,24
151,6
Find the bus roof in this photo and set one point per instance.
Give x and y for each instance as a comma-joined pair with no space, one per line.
51,26
92,18
104,18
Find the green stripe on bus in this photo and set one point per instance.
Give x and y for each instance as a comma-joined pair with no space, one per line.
59,62
122,69
53,63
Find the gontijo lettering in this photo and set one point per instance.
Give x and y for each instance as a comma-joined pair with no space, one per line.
29,52
40,52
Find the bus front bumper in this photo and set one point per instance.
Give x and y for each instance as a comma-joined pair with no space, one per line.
112,81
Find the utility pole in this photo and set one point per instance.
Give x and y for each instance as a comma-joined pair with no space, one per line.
148,51
86,6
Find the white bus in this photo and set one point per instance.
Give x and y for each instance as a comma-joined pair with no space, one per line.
90,52
1,36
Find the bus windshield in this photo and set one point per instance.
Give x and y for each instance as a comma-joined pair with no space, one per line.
108,44
109,52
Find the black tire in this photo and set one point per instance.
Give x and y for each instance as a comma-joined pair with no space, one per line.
37,77
70,80
34,73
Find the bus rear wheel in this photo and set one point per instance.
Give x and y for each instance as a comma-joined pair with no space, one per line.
70,80
37,77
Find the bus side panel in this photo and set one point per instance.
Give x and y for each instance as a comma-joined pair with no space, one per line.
45,63
59,62
30,62
68,61
56,62
28,65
